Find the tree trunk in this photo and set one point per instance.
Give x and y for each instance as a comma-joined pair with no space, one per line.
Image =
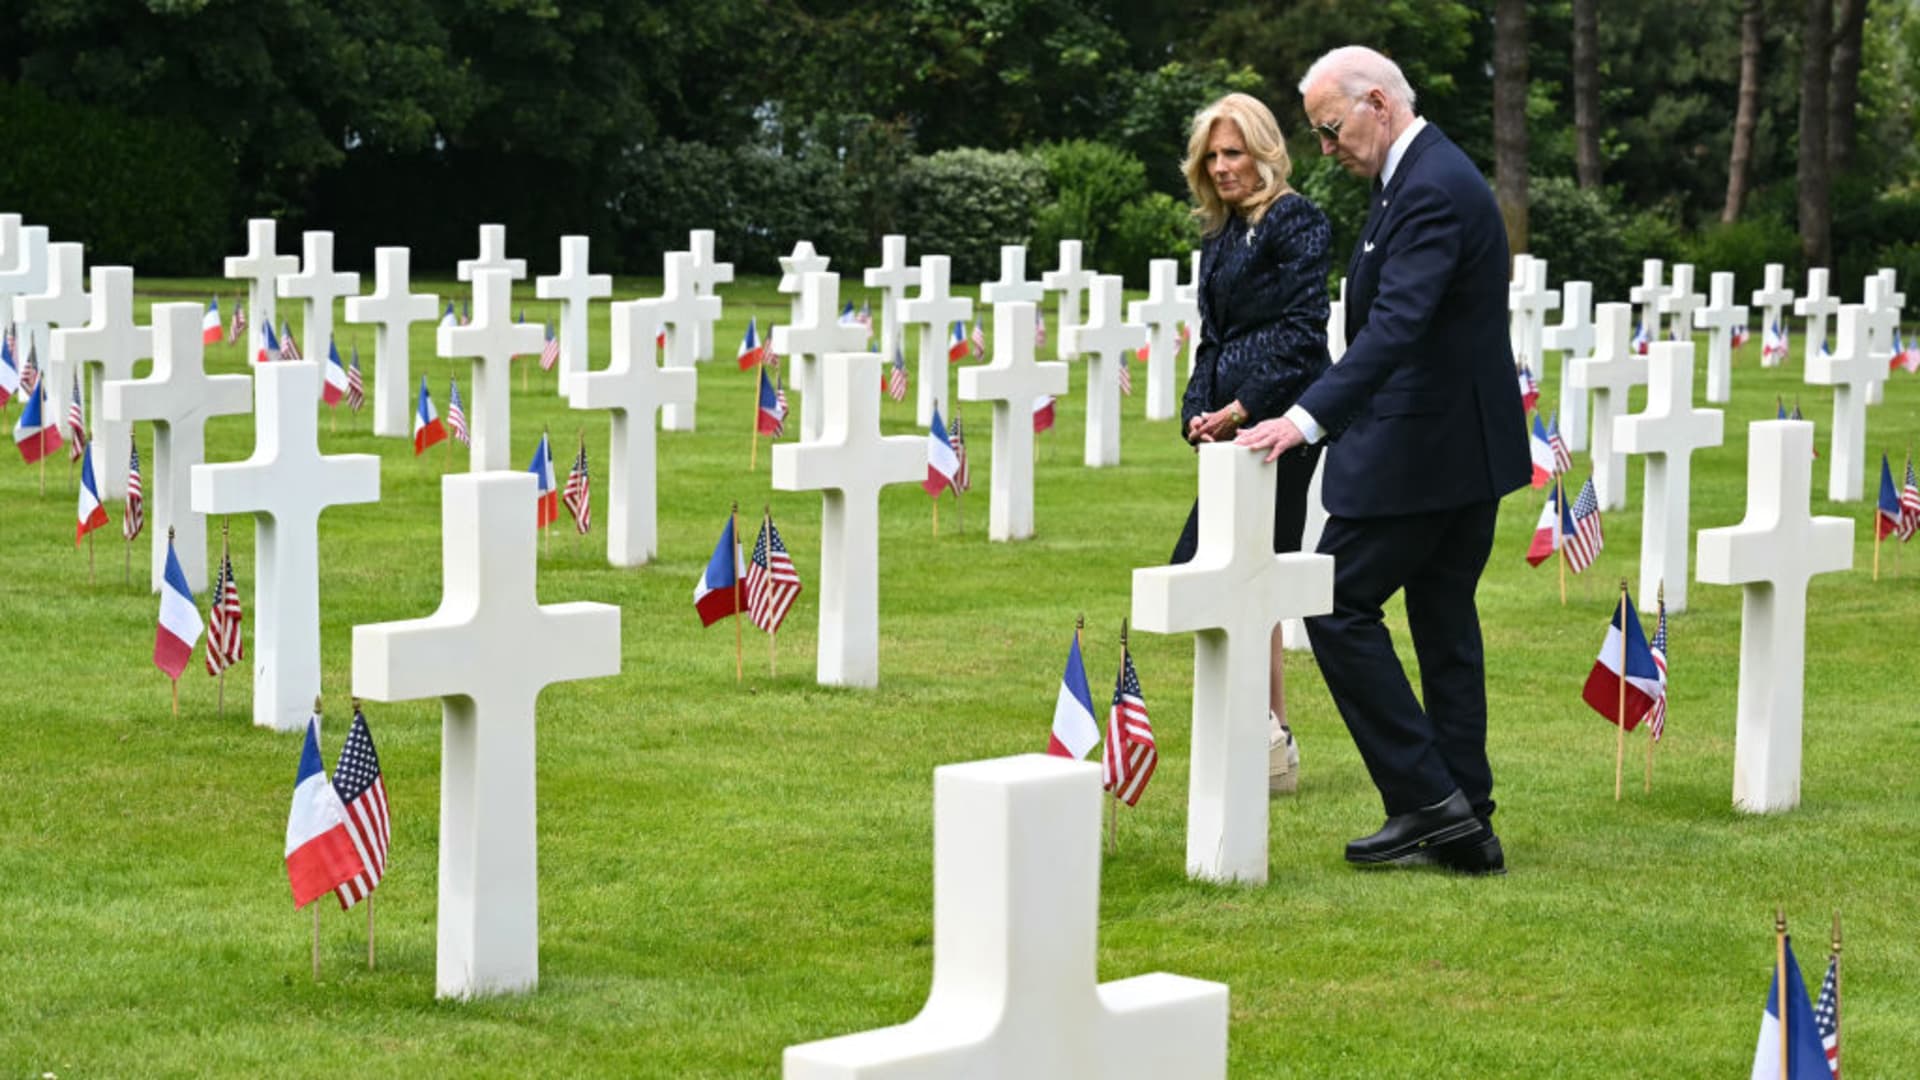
1586,93
1816,217
1510,118
1844,91
1747,115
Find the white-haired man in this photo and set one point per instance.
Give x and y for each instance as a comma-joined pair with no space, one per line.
1423,422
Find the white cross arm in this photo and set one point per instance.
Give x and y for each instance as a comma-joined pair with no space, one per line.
1777,541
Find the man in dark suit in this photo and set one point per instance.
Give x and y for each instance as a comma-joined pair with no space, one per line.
1424,425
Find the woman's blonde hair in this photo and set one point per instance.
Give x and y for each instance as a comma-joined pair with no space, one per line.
1264,143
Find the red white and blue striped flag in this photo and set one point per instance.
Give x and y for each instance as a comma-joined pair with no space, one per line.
363,794
1580,531
224,647
76,423
135,519
356,384
549,352
772,581
1657,714
1129,758
320,853
579,493
1826,1016
457,413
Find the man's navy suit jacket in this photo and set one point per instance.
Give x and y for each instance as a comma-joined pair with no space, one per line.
1424,409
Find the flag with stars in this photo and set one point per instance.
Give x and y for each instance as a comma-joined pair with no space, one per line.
238,324
549,352
289,348
1130,755
356,384
1909,505
76,423
772,581
1656,718
1580,529
224,647
135,519
579,492
962,477
457,413
897,375
1826,1015
357,780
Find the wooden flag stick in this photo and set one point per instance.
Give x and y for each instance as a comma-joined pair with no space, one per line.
1620,717
126,568
176,696
316,941
42,436
1647,786
739,645
1559,541
369,931
1780,980
89,556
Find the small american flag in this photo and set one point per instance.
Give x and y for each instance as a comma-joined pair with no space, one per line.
76,423
356,386
962,477
772,582
357,780
1562,458
1126,376
238,324
578,493
289,349
135,518
224,648
1909,506
466,312
978,338
30,374
1580,529
550,352
1826,1015
456,415
1039,329
897,376
1130,754
1656,717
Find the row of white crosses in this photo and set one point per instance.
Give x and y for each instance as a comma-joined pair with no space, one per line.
1529,300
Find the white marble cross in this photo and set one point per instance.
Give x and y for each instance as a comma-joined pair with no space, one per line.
1189,294
1816,306
61,301
1230,597
486,653
1883,321
1773,552
1849,369
794,267
848,465
1068,279
1014,286
1648,294
262,268
285,485
705,272
105,349
1573,334
1774,295
179,397
319,285
1608,374
934,311
1161,313
576,289
1680,302
1111,342
1012,382
25,269
392,309
633,387
816,330
1668,433
1529,299
683,311
1718,319
493,339
894,277
493,256
1016,992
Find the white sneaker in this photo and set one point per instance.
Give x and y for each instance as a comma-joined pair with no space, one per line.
1283,758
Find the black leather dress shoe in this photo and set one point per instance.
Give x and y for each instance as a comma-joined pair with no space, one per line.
1404,836
1473,855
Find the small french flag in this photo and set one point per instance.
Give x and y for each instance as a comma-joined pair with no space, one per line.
92,515
335,387
210,329
957,345
180,624
427,428
547,506
716,595
320,851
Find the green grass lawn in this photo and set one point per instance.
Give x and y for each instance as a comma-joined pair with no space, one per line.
730,868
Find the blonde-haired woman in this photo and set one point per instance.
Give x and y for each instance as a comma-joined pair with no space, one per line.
1263,327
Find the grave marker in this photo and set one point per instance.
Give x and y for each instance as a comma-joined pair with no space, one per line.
1111,343
1849,369
318,285
893,277
1070,280
576,289
106,349
935,310
1718,319
493,339
261,268
816,331
392,309
1609,374
1161,312
1012,382
1668,433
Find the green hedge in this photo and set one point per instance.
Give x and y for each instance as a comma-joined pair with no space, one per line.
155,193
966,203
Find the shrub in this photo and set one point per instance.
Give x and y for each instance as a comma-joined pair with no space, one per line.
1154,226
153,192
966,203
1581,235
1744,247
1089,184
